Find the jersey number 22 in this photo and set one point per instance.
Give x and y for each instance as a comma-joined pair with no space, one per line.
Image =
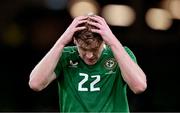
92,84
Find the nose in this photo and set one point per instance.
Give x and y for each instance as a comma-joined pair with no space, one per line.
89,54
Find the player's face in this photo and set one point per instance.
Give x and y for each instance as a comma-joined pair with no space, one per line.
90,54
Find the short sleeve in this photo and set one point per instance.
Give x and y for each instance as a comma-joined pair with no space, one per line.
58,69
131,54
59,66
67,53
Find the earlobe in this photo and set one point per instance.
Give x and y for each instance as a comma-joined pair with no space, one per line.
74,41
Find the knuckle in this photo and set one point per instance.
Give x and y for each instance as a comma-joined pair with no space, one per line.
78,22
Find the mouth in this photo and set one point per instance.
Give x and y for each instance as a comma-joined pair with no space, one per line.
91,61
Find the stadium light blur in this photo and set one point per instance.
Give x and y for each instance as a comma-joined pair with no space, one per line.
83,7
158,19
173,6
118,15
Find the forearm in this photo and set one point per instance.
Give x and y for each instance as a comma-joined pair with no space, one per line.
131,72
42,74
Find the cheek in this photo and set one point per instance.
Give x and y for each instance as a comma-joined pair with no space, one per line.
81,54
98,55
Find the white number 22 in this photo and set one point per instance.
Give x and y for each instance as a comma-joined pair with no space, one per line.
92,84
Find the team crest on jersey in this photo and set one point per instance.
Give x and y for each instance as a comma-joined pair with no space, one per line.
110,63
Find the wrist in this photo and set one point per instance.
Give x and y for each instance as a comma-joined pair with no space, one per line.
116,44
60,44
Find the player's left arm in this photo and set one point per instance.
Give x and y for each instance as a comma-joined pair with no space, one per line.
132,74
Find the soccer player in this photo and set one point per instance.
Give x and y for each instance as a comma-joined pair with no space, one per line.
92,75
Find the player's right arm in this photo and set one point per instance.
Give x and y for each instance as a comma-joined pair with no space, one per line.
43,73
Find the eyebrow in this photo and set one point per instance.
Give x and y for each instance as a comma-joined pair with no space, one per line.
89,49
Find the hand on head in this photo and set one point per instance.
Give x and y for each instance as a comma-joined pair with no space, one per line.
92,23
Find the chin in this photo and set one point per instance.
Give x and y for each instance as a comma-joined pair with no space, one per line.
90,63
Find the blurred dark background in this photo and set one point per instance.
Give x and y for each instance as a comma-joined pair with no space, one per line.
29,28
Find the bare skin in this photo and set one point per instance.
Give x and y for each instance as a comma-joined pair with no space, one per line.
43,73
90,55
131,72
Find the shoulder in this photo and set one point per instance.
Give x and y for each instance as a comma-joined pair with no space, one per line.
69,52
108,49
127,49
70,49
131,54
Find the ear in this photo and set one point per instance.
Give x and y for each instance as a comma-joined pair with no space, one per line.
74,40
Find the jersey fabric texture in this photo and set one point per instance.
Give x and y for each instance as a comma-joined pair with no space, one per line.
96,88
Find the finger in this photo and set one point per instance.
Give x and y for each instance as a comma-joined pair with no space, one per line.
97,19
80,22
79,18
96,31
94,24
80,28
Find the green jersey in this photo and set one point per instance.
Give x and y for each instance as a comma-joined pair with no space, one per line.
91,88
